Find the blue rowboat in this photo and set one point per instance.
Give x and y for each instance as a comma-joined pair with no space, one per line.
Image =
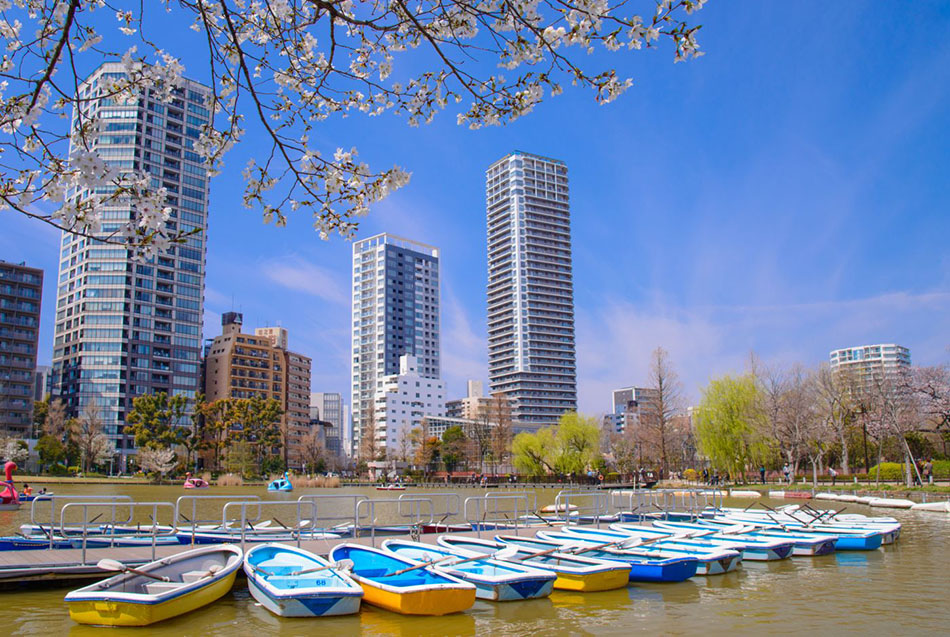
574,572
756,550
419,591
642,568
494,580
849,538
186,536
712,559
805,545
285,581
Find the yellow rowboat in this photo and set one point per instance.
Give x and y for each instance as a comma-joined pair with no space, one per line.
421,591
574,572
179,584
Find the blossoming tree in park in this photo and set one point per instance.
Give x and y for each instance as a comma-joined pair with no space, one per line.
284,67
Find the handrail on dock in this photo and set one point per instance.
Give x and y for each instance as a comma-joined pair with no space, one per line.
86,524
593,502
53,499
453,504
415,512
296,531
478,508
344,520
195,499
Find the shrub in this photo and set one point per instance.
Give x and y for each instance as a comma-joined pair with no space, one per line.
58,470
690,475
230,480
889,471
72,470
941,469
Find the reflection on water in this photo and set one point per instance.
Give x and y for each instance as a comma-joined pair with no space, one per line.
898,589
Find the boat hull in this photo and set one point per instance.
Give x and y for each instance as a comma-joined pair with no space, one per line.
107,612
859,543
316,605
425,602
592,582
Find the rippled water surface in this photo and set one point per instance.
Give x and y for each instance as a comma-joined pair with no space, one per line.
898,589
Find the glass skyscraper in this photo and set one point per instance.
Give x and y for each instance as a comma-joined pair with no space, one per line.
125,328
395,312
531,354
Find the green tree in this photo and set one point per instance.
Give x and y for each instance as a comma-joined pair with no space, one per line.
156,420
729,424
50,450
453,447
256,423
532,454
577,443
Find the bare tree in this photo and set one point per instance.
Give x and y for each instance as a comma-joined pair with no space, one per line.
894,413
56,424
312,450
369,449
838,394
500,432
89,436
667,402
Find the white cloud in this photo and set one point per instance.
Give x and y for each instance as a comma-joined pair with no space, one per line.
298,274
464,352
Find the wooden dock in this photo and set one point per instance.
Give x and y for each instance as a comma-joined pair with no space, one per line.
60,567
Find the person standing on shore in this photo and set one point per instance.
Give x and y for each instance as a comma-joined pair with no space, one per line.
929,471
762,474
833,474
786,472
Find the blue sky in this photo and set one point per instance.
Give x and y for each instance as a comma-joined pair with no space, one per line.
786,193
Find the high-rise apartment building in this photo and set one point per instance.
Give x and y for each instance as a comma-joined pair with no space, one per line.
124,329
328,407
21,293
395,312
531,354
239,365
866,360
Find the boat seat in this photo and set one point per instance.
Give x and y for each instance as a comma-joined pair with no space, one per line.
371,572
190,577
159,588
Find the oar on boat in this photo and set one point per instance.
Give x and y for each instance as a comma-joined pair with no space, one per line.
113,565
342,565
501,554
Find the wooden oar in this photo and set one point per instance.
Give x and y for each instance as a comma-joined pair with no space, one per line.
113,565
342,565
501,554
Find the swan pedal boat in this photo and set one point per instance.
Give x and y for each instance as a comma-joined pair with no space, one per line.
197,578
423,591
273,579
642,567
712,559
805,544
494,580
574,572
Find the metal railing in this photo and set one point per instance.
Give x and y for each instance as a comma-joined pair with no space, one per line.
451,509
406,508
331,499
499,510
166,530
573,503
53,499
302,526
194,521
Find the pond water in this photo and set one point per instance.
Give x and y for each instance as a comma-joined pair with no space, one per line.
898,589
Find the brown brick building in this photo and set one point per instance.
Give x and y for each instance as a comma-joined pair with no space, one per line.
239,365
